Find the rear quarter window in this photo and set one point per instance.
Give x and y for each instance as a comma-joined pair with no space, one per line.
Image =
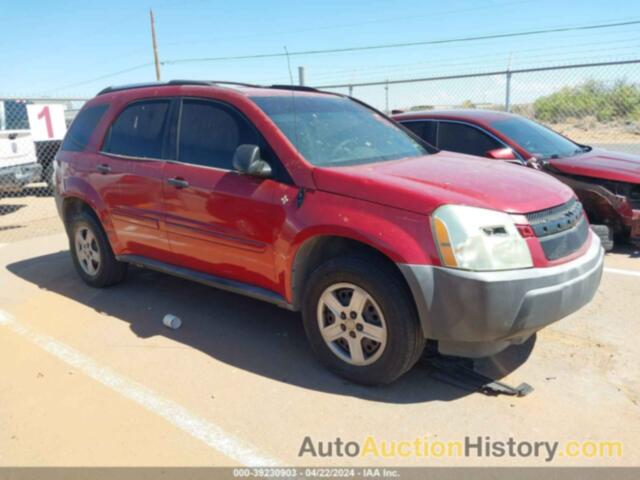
82,127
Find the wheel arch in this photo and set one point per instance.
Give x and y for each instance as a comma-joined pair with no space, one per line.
73,202
318,249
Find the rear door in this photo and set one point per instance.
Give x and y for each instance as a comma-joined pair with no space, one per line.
131,165
218,221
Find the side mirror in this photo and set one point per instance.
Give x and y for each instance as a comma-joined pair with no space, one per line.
501,154
246,160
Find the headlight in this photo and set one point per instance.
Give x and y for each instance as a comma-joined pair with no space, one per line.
472,238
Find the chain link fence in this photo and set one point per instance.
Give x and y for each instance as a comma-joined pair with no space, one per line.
594,104
31,131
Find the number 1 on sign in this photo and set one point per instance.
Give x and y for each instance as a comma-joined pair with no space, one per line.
46,114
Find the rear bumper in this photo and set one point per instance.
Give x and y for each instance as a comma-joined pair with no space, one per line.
16,177
477,314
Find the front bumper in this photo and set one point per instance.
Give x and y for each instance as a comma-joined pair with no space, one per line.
477,314
14,178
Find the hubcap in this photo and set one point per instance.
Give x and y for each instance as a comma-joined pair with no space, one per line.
87,250
352,324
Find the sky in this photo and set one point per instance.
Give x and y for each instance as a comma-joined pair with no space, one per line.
75,48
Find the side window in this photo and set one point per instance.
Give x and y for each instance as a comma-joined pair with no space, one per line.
415,127
429,132
210,134
82,127
462,138
425,130
139,130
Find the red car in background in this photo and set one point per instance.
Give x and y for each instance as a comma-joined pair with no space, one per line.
607,183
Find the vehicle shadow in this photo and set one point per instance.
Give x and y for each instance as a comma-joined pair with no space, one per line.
36,190
239,331
628,249
9,208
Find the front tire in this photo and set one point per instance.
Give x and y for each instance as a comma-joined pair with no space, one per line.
361,321
91,252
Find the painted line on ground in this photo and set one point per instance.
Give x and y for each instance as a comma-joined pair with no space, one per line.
619,271
204,430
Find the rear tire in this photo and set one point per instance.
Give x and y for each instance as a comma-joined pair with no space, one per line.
606,236
91,252
378,343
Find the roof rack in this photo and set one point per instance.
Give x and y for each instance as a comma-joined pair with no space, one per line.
301,88
205,83
129,86
239,84
189,82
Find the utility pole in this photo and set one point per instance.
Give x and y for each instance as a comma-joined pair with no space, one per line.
155,45
507,99
301,81
386,97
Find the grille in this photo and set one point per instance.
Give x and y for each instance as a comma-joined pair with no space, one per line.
562,230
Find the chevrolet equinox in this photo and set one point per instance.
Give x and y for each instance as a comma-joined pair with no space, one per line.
318,203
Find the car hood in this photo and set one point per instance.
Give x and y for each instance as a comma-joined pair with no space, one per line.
422,184
599,163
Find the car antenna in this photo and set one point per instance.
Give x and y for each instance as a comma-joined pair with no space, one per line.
300,196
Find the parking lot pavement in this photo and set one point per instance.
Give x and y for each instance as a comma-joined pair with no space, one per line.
28,214
92,377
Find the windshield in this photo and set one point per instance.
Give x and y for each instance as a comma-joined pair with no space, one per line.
332,131
539,141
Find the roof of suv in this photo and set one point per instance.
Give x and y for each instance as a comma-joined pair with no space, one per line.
242,88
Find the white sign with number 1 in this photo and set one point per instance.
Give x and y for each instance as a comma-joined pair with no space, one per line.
46,121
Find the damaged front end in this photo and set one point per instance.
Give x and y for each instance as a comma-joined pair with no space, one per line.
607,202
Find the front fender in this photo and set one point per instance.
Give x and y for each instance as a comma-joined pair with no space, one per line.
401,236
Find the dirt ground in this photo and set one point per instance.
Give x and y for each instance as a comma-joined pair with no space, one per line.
589,131
92,377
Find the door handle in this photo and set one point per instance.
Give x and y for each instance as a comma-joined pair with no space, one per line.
103,168
178,182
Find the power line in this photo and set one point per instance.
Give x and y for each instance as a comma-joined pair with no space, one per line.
102,77
354,49
472,70
482,74
405,44
495,57
431,14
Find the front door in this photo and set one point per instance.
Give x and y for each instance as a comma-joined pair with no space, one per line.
218,221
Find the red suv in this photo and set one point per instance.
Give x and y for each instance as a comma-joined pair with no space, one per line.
318,203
